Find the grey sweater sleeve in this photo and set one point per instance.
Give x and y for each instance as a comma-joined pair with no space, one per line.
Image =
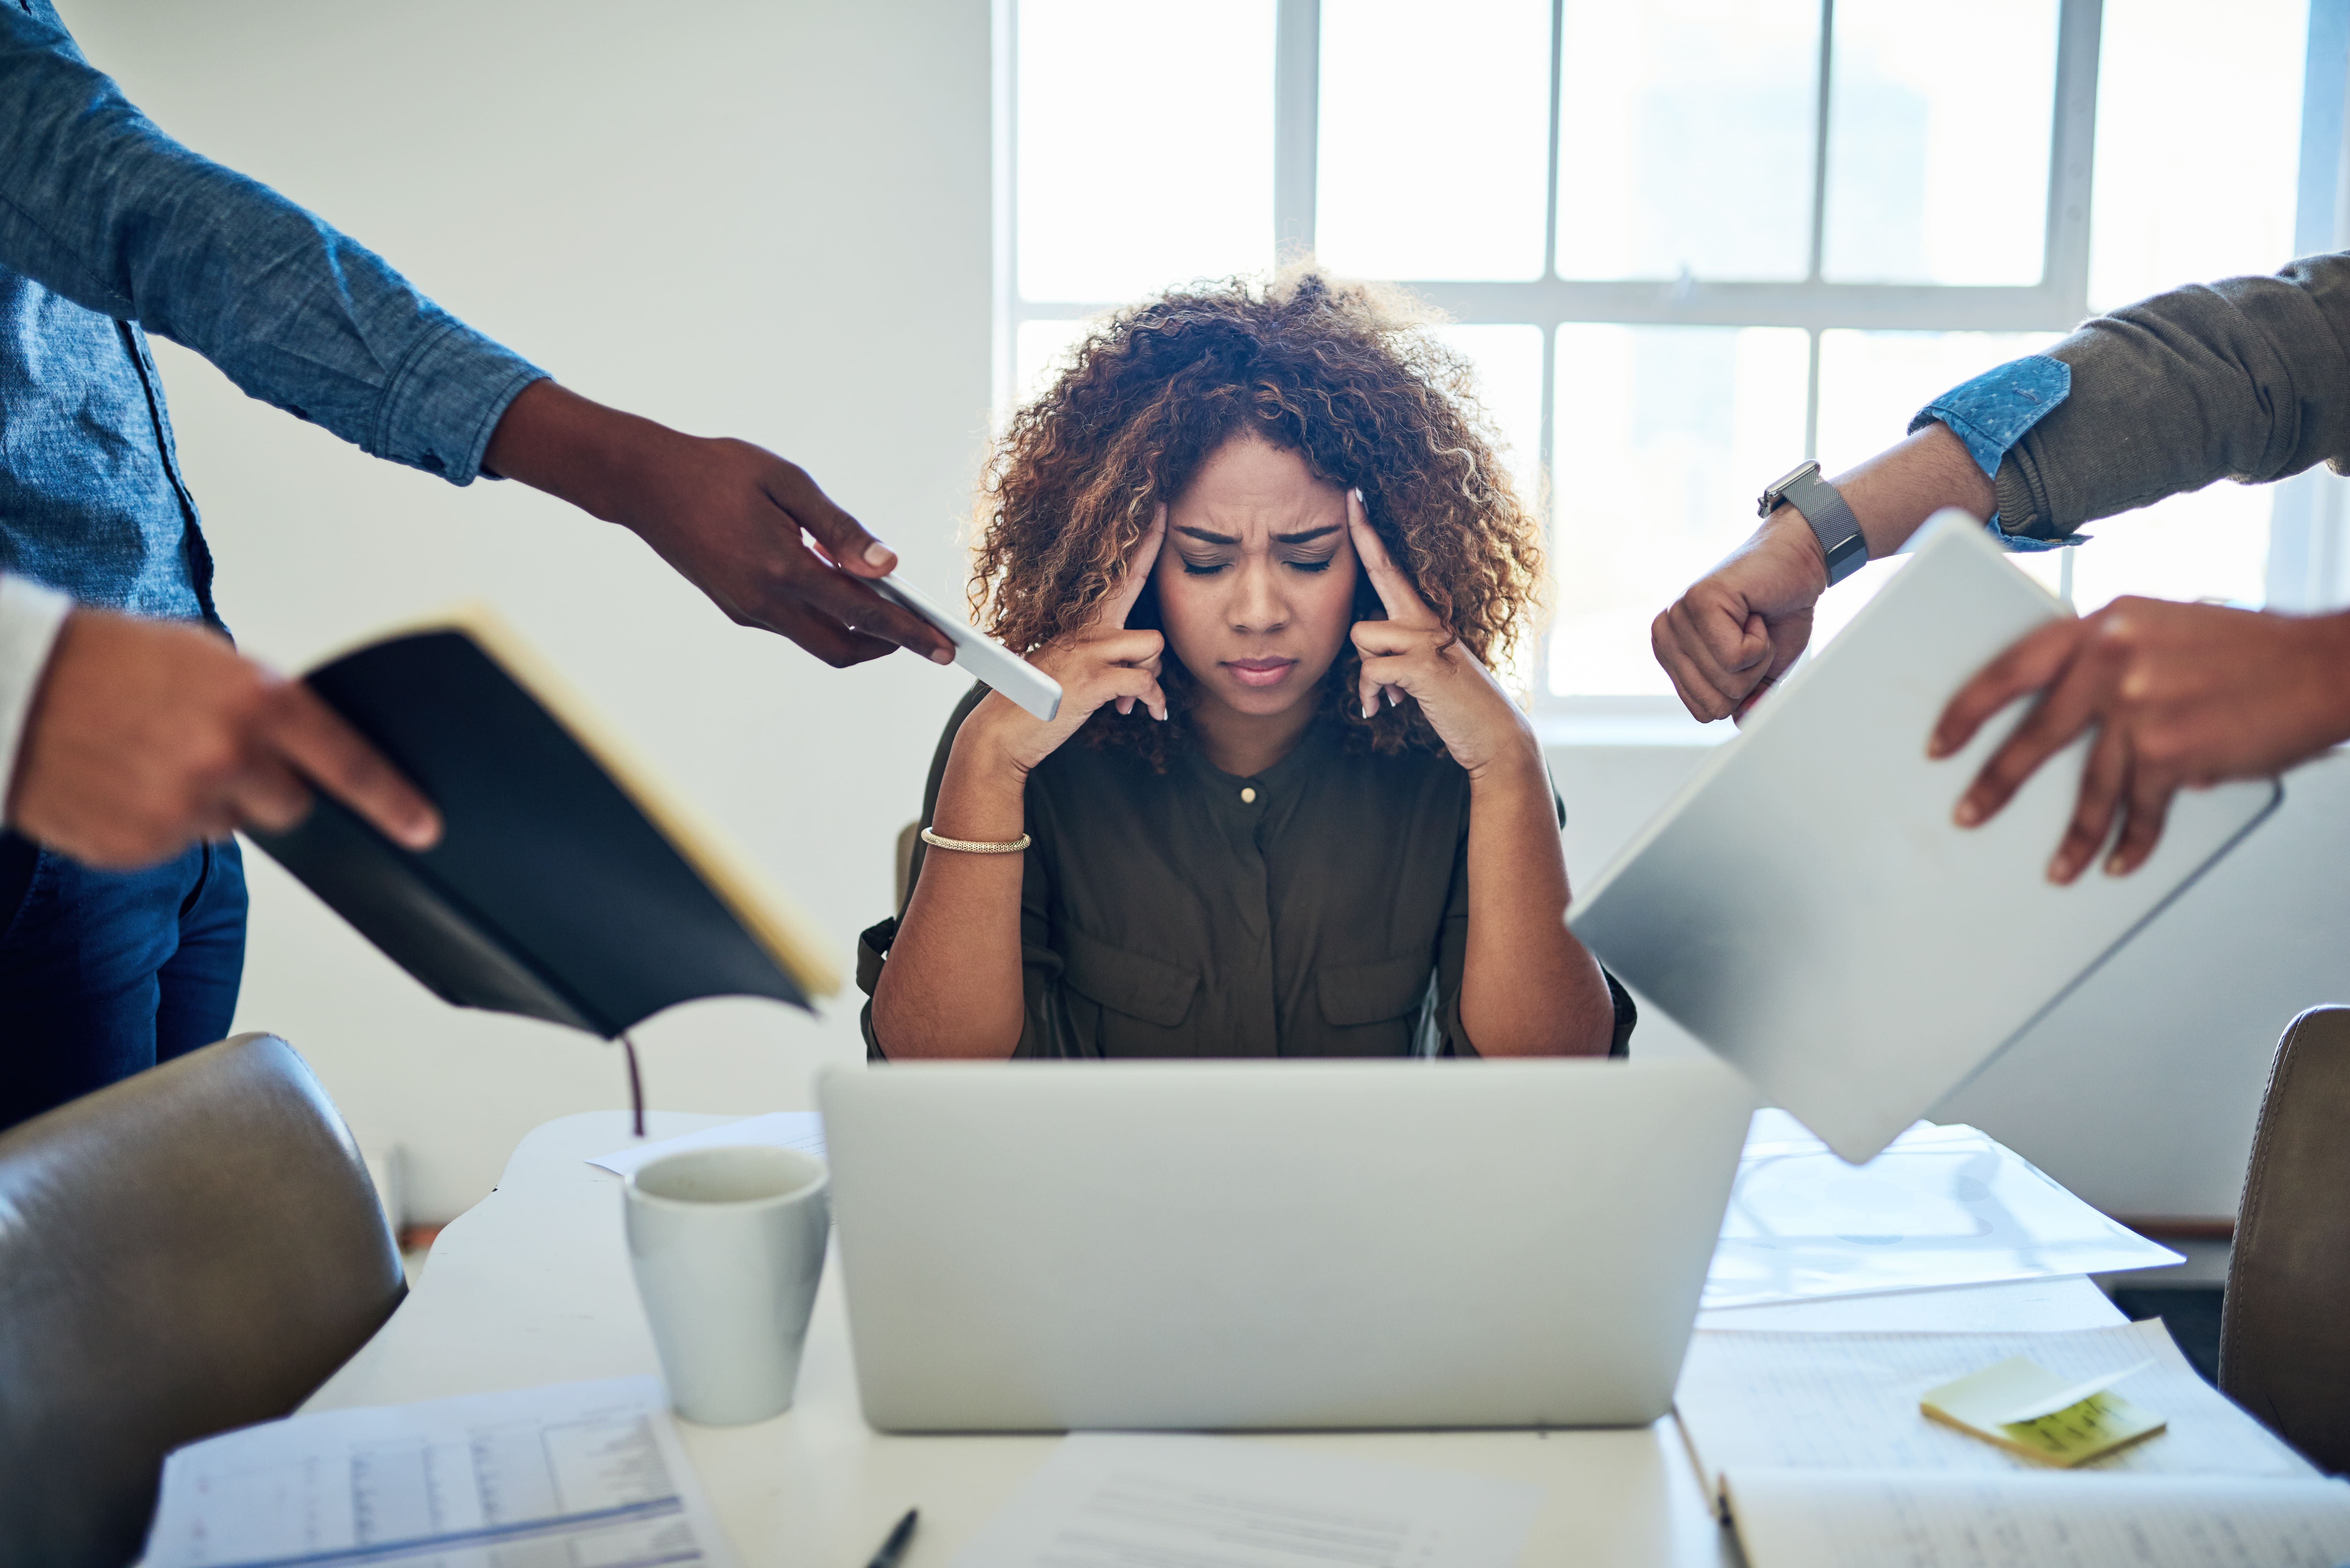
2246,379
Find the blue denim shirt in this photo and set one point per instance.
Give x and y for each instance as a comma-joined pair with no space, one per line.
1995,410
109,230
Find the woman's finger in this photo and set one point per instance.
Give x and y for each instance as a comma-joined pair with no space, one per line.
1120,604
1404,605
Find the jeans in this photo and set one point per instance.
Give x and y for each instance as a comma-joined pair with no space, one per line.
105,973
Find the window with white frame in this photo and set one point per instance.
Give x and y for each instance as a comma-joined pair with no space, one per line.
1689,241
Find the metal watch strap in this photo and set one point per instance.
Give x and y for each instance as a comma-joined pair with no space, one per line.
1822,507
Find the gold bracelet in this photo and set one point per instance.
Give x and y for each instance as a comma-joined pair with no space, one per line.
973,845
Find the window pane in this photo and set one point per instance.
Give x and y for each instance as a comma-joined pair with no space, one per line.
1870,385
2198,143
2211,544
1665,437
1685,139
1434,138
1037,355
1938,119
1146,148
1508,361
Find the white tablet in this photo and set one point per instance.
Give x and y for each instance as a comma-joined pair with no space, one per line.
992,663
1806,906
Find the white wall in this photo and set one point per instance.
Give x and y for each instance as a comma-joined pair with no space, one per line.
765,220
772,221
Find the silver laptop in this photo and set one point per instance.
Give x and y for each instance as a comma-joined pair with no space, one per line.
1042,1246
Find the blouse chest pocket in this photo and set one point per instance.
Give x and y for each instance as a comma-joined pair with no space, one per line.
1133,983
1373,992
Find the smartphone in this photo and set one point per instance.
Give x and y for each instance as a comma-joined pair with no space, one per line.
992,663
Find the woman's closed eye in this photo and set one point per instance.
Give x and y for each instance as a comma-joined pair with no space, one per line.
1208,568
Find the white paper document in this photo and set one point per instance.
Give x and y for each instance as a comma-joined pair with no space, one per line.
1806,904
1849,1401
1863,1519
1127,1500
1941,1206
801,1130
577,1473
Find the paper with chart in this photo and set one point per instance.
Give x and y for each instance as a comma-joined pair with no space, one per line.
1118,1500
1941,1206
583,1473
1862,1519
1850,1401
801,1130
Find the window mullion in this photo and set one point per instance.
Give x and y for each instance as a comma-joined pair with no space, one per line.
2072,156
1296,124
1820,143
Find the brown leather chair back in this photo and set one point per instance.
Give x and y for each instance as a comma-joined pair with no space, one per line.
193,1249
2284,1336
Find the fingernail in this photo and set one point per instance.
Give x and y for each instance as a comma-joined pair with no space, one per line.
1393,699
1968,813
2060,870
877,554
943,656
1935,749
2114,865
1372,708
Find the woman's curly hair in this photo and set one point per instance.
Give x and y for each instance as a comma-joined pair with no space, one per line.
1340,373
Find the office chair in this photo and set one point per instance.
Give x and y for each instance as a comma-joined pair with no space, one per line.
2284,1335
193,1249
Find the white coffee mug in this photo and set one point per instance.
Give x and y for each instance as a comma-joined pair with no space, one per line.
728,1246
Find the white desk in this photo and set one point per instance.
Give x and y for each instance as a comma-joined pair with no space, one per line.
532,1285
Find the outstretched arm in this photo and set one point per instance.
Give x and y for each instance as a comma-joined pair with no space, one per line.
104,208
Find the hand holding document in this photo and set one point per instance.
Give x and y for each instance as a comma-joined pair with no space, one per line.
1114,1500
578,1472
1807,906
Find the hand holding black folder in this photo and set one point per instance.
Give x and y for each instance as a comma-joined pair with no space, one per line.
568,883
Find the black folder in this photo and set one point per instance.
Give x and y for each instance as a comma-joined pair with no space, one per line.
570,883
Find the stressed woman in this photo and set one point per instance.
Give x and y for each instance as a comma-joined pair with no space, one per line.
1286,808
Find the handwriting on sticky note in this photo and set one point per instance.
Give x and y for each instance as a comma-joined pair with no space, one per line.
2027,1409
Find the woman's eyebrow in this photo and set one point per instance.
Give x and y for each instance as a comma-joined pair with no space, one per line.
1204,537
1305,535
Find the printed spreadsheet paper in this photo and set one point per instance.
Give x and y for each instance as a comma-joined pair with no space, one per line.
1864,1519
571,1473
1119,1499
1941,1206
1849,1402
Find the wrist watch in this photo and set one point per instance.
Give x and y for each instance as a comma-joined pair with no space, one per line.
1840,537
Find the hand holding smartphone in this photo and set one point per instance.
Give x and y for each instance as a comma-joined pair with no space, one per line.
991,661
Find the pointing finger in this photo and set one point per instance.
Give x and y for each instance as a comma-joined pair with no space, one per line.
1404,605
1120,605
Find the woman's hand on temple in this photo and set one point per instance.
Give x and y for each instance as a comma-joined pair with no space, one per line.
1413,653
1104,663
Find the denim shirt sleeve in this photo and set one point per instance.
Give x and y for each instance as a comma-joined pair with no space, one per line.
1992,412
98,206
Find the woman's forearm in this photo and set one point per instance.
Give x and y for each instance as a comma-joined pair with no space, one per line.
952,984
1527,987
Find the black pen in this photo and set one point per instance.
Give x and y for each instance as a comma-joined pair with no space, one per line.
895,1547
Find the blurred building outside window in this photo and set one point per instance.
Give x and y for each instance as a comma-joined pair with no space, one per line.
1689,243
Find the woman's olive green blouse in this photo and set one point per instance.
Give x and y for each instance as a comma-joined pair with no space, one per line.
1317,908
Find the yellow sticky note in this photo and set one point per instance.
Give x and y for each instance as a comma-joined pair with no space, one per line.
2027,1409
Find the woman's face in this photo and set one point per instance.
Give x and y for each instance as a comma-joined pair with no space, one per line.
1256,578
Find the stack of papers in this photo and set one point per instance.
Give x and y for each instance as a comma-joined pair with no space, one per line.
1850,1401
1941,1206
586,1473
1107,1500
